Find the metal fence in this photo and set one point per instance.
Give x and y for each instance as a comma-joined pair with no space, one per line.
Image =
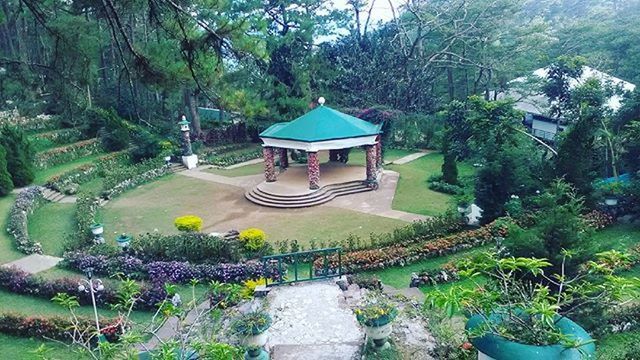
299,266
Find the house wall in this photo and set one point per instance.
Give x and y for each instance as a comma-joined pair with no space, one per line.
544,130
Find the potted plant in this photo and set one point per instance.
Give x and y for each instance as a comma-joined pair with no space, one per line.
97,229
612,193
252,328
521,312
377,315
123,240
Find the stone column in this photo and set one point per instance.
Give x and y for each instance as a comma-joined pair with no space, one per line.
379,155
186,143
284,158
313,170
269,164
371,163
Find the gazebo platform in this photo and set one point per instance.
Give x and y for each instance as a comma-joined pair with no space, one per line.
291,190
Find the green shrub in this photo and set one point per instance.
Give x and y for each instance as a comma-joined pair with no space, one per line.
146,146
114,136
252,239
6,185
446,188
188,223
19,155
191,246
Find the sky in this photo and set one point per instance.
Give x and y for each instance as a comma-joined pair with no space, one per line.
381,9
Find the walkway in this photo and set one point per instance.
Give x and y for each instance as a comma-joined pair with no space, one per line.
411,157
245,163
312,320
35,263
377,202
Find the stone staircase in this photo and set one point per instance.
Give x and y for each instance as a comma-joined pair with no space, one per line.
176,167
321,196
55,196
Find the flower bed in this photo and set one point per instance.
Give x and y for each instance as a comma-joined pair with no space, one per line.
56,138
39,122
194,247
26,203
225,160
55,327
598,219
64,154
87,207
622,319
400,255
20,282
123,178
67,181
442,275
168,271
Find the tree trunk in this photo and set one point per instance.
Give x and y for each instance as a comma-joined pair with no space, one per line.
192,104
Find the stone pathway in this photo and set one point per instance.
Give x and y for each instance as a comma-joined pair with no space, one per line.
35,263
245,182
377,202
312,321
411,157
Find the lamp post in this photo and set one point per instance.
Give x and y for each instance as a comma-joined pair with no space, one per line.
189,159
91,286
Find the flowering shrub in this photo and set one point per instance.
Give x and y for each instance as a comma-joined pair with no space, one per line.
86,209
224,160
124,178
26,203
376,311
85,173
39,122
54,138
61,155
188,223
363,260
55,327
444,274
193,247
598,219
252,239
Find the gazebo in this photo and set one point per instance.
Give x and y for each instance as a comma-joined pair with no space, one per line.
321,129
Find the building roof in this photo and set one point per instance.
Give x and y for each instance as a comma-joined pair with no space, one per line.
538,104
322,124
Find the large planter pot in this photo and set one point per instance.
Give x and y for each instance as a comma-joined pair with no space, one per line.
493,347
611,201
97,229
123,240
258,340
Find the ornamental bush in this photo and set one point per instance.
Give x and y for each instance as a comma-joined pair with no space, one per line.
189,246
26,203
55,327
252,239
64,154
190,223
6,185
19,155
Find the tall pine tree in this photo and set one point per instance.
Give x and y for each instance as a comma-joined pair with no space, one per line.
6,185
19,155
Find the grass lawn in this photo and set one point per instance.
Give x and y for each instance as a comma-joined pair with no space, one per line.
619,237
45,174
49,224
413,195
222,208
94,186
618,346
246,170
400,276
8,250
16,348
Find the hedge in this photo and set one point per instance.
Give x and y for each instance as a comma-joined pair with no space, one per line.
55,327
234,158
64,154
189,246
26,203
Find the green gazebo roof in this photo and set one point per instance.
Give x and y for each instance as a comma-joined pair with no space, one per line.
321,124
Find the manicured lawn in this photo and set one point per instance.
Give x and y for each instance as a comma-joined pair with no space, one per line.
619,237
400,276
43,175
8,250
94,186
246,170
16,348
50,224
413,194
154,207
618,346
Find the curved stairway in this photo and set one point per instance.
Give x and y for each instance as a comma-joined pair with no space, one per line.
321,196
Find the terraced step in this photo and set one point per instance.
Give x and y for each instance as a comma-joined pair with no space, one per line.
55,196
319,197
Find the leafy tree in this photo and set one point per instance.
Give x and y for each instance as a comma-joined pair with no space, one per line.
114,135
631,138
559,76
6,185
18,154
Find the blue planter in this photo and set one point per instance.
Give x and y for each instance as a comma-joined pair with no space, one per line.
499,348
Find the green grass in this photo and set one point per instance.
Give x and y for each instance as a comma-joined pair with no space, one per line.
8,251
94,186
16,348
623,346
619,237
50,224
413,194
222,207
45,174
246,170
400,276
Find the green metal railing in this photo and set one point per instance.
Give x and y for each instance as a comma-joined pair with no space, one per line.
297,262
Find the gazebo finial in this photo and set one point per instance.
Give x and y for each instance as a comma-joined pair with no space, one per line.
321,100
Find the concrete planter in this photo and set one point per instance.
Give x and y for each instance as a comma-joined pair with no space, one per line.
258,340
123,240
97,229
493,347
379,334
611,201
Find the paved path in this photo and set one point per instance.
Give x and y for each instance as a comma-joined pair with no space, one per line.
35,263
377,202
312,319
411,157
250,162
246,182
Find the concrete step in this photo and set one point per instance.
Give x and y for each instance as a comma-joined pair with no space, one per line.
314,195
329,195
318,192
52,195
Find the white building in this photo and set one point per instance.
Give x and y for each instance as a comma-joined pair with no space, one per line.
536,106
